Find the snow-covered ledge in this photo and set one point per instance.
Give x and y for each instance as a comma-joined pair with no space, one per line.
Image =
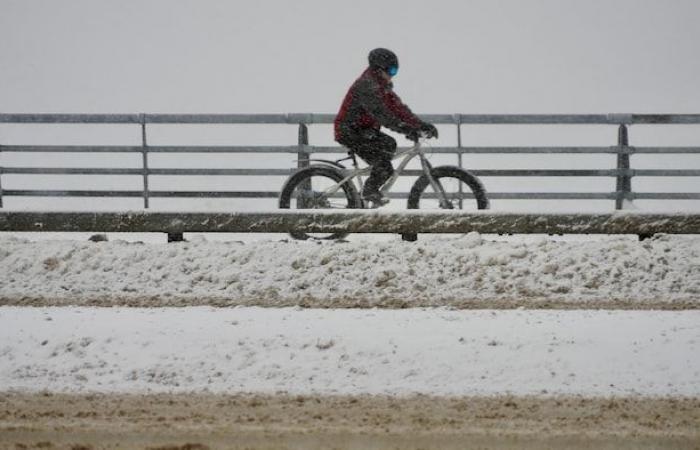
356,221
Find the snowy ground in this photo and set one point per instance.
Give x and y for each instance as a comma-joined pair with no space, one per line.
291,377
309,351
462,271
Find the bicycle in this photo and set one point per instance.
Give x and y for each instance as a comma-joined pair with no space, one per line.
329,184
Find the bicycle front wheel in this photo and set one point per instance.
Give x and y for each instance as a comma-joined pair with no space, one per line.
307,188
459,190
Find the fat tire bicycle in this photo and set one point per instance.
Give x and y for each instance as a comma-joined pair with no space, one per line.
330,185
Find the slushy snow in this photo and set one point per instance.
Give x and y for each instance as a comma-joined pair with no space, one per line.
323,351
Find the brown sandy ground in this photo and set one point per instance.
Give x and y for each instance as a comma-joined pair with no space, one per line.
354,302
207,421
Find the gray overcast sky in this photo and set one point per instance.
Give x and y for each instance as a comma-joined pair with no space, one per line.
490,56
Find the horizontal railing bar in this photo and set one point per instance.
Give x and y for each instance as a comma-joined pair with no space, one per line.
552,195
273,194
585,173
665,172
71,118
565,196
547,173
331,149
225,149
504,119
313,118
532,172
220,194
151,149
525,150
521,149
71,193
150,171
69,171
680,119
665,150
293,118
71,148
279,172
218,118
163,194
665,195
218,172
181,194
547,119
610,149
354,221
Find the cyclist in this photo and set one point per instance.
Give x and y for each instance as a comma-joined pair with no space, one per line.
370,104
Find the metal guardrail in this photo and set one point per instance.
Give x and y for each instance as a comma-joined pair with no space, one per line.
310,118
623,173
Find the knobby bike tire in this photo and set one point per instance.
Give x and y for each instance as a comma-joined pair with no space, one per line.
442,172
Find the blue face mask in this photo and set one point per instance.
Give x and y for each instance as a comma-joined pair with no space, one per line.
393,70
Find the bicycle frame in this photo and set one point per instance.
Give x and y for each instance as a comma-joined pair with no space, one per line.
408,155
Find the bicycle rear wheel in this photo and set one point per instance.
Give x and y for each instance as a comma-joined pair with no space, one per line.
462,191
306,190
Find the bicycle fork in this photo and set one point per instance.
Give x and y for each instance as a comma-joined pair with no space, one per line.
435,183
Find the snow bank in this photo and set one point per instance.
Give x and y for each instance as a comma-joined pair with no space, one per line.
459,271
268,350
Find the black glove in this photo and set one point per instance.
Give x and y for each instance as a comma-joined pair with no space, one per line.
428,130
413,135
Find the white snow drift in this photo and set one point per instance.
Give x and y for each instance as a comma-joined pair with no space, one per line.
435,271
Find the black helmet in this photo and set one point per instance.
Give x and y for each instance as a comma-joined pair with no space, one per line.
382,58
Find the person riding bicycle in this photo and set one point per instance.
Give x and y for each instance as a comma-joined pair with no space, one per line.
370,104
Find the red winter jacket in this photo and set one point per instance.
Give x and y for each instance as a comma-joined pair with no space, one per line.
371,103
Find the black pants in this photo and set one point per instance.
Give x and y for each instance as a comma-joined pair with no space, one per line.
376,149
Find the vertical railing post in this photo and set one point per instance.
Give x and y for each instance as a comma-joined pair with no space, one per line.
303,161
624,181
144,155
458,121
1,176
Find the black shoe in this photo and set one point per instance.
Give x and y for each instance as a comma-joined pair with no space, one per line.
376,198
